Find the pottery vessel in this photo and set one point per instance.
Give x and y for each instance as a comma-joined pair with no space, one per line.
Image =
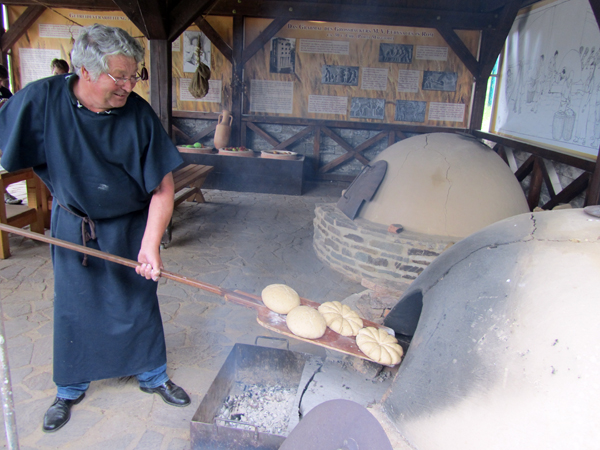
223,130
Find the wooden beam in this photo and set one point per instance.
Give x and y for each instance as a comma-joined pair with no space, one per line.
263,134
237,80
595,5
459,47
357,13
185,13
576,187
131,8
593,193
535,184
295,138
317,149
562,158
215,38
351,152
263,38
21,25
205,132
492,42
90,5
525,169
161,80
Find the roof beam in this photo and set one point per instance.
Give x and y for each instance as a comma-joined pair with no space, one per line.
20,26
351,13
147,16
215,38
185,13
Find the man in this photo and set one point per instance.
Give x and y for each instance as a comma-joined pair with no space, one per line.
59,66
5,94
92,140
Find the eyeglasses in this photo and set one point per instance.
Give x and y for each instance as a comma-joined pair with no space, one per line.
122,81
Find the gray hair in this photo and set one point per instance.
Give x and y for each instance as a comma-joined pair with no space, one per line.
96,43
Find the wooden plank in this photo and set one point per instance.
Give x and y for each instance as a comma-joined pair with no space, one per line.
459,47
21,25
535,184
184,13
525,169
263,134
237,80
161,79
359,13
563,158
215,38
593,193
295,138
264,37
331,340
205,132
571,191
317,149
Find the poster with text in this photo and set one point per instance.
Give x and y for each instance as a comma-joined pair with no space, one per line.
357,72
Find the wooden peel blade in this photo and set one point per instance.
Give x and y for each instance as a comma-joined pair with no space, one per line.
265,317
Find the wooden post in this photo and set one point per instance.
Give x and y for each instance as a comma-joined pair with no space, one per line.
535,184
478,103
593,193
161,80
237,80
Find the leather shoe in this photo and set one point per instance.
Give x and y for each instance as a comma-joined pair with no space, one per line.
59,413
170,393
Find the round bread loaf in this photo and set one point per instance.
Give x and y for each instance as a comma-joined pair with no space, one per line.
280,298
341,318
379,346
306,322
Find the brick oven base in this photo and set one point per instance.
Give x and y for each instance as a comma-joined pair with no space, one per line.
360,249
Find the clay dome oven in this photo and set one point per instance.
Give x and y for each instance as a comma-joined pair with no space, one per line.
441,187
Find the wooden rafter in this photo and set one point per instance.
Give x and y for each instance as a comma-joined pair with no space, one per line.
215,38
185,13
148,16
458,47
263,38
355,13
21,25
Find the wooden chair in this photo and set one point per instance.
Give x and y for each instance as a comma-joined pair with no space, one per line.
21,215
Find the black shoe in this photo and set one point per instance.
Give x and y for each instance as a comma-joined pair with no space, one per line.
59,413
170,393
11,200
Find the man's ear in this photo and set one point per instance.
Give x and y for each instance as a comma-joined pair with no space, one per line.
85,74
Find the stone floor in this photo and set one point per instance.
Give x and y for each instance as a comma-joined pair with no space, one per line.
236,240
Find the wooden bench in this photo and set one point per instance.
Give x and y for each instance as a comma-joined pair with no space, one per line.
188,181
21,215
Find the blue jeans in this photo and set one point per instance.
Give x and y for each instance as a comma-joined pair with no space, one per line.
150,379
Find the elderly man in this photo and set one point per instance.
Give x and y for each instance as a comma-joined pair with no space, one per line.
107,161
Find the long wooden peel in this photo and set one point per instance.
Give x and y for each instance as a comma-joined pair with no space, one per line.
266,317
236,297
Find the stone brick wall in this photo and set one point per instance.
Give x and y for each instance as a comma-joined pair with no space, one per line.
363,249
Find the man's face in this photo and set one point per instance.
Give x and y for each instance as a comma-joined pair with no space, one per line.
108,95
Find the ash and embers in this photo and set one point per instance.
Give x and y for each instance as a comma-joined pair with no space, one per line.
266,407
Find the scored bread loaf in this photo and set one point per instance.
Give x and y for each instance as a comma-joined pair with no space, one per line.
378,345
341,318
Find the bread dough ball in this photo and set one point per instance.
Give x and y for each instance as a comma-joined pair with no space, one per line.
306,322
280,298
341,318
378,345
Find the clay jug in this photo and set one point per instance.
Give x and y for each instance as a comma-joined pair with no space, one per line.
223,130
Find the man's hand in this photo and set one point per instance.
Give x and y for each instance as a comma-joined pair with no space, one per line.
150,265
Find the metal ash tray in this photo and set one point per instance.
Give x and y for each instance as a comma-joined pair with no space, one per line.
253,401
